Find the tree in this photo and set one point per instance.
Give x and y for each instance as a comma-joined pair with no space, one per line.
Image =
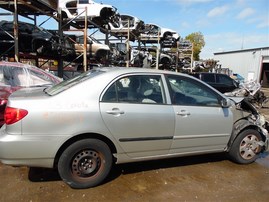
198,42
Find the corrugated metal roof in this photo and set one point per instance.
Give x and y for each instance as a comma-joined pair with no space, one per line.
243,50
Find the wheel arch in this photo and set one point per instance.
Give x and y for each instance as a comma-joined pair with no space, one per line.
167,33
239,127
64,14
101,53
70,141
106,13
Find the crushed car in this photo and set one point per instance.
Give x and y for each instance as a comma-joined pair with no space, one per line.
153,33
131,114
127,23
95,49
252,90
98,13
32,39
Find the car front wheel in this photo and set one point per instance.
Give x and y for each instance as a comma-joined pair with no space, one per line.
245,148
85,163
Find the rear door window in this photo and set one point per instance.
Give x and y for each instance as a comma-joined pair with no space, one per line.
136,89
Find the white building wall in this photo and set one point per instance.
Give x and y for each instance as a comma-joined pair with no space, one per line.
247,63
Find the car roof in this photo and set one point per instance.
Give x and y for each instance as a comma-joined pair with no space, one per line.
13,64
207,73
128,70
18,64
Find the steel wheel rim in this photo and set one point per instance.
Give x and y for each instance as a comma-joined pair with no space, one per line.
86,163
249,147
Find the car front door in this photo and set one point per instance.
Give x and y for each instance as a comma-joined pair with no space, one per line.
134,110
202,125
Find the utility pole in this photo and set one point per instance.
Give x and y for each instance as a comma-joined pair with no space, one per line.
16,35
85,62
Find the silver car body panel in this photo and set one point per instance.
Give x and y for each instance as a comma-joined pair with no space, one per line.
192,134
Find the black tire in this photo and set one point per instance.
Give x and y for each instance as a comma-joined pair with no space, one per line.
85,163
245,148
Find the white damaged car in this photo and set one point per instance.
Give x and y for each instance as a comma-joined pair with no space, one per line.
153,33
97,12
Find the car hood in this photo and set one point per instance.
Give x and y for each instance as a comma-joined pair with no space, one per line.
237,99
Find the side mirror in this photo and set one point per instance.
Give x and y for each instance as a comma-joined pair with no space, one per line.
3,102
225,103
236,84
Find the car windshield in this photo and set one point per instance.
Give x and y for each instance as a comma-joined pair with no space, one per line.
56,89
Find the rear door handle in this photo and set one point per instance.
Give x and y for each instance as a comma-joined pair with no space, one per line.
183,113
115,112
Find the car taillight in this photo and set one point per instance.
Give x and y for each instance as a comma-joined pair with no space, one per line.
13,115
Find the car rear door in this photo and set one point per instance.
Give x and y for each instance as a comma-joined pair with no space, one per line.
134,109
202,125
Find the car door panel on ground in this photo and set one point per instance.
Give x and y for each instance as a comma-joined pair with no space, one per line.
199,117
135,111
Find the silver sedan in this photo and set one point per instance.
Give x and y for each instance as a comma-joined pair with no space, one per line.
117,115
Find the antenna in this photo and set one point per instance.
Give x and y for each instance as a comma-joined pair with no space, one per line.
242,45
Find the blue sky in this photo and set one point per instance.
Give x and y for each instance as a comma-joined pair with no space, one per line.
226,24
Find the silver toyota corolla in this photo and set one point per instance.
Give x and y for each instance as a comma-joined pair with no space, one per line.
117,115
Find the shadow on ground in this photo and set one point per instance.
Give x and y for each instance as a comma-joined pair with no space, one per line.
46,175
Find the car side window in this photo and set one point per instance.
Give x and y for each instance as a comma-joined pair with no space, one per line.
186,91
8,27
38,78
83,1
223,79
136,89
209,78
2,78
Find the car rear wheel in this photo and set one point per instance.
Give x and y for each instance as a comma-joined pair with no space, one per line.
85,163
245,148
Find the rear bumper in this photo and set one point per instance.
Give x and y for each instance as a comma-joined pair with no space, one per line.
32,151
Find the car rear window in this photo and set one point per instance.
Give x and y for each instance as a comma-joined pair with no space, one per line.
56,89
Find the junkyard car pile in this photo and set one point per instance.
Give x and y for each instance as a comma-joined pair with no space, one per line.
34,39
130,115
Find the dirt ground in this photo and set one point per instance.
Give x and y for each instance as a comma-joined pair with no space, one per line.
197,178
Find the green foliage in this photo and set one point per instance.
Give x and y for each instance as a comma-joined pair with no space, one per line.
198,42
